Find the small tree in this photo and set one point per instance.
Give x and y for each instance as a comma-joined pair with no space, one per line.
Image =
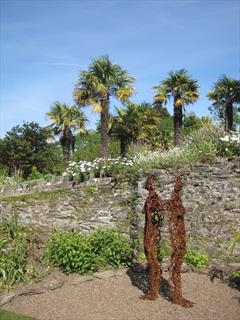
66,120
184,90
225,93
26,146
103,80
136,124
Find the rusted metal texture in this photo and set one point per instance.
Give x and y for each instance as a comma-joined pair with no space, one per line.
154,209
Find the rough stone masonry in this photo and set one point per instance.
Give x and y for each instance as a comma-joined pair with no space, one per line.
211,196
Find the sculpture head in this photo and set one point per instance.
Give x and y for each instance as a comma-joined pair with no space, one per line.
150,183
178,184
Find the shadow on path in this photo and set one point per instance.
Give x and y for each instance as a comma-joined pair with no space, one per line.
139,276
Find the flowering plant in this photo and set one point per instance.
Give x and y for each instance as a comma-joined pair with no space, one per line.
85,170
230,144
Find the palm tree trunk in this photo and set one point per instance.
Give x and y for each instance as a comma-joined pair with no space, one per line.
229,115
66,152
66,142
105,127
177,119
124,143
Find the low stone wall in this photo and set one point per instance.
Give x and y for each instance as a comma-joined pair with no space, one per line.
211,197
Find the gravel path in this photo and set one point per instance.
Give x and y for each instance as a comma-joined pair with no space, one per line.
117,298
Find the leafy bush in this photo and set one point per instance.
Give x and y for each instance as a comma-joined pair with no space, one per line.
71,252
83,170
200,145
229,144
34,174
111,247
6,181
18,256
196,259
88,147
74,252
13,254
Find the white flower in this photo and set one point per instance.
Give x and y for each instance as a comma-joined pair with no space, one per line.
224,139
235,138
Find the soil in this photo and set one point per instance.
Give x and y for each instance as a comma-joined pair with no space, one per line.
115,296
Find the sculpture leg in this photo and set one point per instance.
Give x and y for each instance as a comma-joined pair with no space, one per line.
175,282
155,273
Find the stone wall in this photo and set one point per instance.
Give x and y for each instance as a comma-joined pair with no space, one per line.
211,197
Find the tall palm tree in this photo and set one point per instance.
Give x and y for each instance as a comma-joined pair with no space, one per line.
226,92
135,124
65,121
95,86
184,90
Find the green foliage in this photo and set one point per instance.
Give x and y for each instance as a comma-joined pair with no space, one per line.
71,252
13,254
17,264
84,170
229,144
88,147
35,174
74,252
236,274
225,93
136,124
200,145
111,247
163,252
27,146
191,122
163,139
7,315
235,240
197,259
6,181
66,121
96,85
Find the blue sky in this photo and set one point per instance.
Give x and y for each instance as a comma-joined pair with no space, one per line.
46,43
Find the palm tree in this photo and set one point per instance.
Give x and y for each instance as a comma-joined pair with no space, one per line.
184,90
226,92
65,121
135,124
95,86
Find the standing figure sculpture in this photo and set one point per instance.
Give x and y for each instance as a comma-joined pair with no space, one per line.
178,242
154,208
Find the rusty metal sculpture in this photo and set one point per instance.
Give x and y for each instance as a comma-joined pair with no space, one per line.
178,242
154,209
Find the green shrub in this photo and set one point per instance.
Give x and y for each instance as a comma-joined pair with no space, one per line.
74,252
88,147
199,145
13,254
35,174
196,259
71,252
17,261
229,144
111,247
